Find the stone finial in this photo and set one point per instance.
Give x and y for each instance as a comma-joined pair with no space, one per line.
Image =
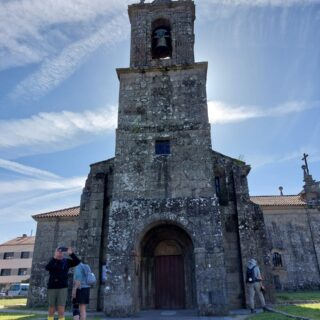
281,191
161,1
304,168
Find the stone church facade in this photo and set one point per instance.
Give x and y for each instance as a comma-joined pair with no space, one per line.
293,230
169,217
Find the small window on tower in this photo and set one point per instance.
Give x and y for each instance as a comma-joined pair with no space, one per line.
162,147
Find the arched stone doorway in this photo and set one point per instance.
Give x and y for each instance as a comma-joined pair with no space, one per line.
167,269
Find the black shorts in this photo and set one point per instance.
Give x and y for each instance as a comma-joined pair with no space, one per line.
83,296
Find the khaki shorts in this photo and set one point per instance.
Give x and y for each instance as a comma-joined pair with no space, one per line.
57,297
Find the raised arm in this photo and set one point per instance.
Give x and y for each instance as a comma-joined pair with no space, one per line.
74,259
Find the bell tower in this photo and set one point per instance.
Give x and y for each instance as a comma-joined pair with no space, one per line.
164,214
162,33
162,105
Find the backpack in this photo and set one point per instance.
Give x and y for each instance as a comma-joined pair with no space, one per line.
89,275
250,275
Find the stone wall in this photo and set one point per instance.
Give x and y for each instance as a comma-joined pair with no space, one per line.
295,235
130,220
163,104
94,224
243,228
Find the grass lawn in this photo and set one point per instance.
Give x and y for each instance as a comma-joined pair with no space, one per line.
5,316
291,296
32,316
20,303
266,316
304,310
13,303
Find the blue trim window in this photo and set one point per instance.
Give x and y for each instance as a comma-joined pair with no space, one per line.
162,147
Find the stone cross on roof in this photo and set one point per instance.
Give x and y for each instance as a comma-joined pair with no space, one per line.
305,156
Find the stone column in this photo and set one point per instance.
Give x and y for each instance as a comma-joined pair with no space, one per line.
211,282
120,292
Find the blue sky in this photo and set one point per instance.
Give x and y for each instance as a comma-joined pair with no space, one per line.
59,94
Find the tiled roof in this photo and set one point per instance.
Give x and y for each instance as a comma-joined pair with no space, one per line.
24,240
294,200
69,212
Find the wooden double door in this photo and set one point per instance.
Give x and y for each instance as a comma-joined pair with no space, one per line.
169,282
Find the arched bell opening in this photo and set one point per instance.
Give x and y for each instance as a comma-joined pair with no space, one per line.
167,269
161,39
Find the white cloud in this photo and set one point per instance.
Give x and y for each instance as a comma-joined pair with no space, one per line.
39,203
56,36
40,179
44,191
56,69
259,161
26,170
220,112
33,185
60,34
27,39
55,130
258,3
47,132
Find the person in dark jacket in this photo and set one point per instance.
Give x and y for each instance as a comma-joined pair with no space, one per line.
58,268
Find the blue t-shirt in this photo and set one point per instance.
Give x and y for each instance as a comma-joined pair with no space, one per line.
80,275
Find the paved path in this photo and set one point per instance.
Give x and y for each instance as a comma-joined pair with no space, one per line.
149,315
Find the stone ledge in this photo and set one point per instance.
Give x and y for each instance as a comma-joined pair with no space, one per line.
197,65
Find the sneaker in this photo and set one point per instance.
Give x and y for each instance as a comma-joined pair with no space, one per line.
253,311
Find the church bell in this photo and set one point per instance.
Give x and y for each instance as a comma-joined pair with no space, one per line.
161,40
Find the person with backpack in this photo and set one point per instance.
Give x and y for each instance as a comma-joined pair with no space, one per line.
58,268
254,284
83,279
